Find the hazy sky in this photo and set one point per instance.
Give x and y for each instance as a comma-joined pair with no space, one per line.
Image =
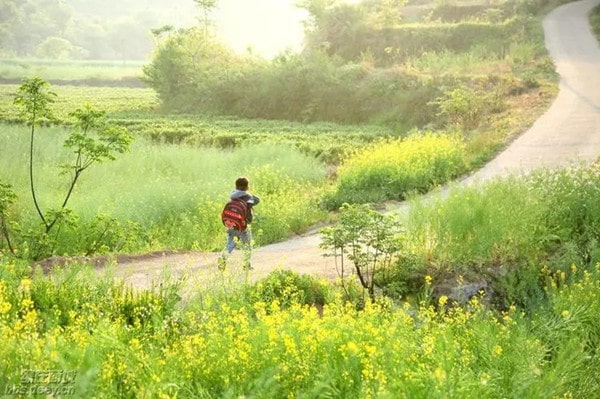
268,26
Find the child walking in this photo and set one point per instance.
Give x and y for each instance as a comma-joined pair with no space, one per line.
239,231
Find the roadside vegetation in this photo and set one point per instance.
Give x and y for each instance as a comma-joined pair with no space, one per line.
487,291
595,21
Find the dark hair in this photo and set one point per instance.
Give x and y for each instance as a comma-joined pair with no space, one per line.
241,183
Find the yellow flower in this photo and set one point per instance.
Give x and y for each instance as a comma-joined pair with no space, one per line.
484,379
497,351
573,268
25,284
443,300
428,280
566,314
439,374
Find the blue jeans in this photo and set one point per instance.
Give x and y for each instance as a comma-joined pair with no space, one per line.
245,237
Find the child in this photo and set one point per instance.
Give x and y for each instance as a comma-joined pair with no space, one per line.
245,235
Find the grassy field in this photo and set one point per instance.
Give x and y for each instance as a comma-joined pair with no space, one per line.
71,70
322,147
164,196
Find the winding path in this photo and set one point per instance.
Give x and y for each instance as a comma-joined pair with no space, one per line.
568,131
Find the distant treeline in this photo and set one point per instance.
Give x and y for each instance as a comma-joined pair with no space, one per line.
81,29
355,68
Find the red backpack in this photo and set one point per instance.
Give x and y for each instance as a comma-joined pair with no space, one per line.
234,214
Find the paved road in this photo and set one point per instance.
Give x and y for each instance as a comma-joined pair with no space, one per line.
569,130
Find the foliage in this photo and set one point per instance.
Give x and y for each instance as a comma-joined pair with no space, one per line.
595,21
358,67
288,288
465,108
186,66
121,343
166,196
34,98
501,230
393,169
571,212
414,39
366,238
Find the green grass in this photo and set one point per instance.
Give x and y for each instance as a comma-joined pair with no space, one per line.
113,100
171,193
138,110
552,215
70,69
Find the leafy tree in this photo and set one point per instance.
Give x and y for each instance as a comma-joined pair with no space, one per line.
54,48
34,98
206,6
92,141
88,149
184,67
368,239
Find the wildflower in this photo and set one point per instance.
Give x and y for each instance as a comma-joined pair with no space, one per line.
497,351
484,379
26,284
439,374
565,314
573,268
428,280
443,300
5,305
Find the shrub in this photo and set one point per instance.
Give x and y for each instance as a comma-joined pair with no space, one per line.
288,288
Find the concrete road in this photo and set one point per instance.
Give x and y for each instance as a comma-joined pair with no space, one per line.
570,129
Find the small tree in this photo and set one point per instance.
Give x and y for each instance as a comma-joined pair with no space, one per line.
34,97
365,237
88,149
206,6
92,141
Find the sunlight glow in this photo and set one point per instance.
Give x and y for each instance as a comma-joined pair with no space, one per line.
268,27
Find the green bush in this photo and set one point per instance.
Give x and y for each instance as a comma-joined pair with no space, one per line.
288,288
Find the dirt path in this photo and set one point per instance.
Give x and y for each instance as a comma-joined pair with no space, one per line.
569,130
